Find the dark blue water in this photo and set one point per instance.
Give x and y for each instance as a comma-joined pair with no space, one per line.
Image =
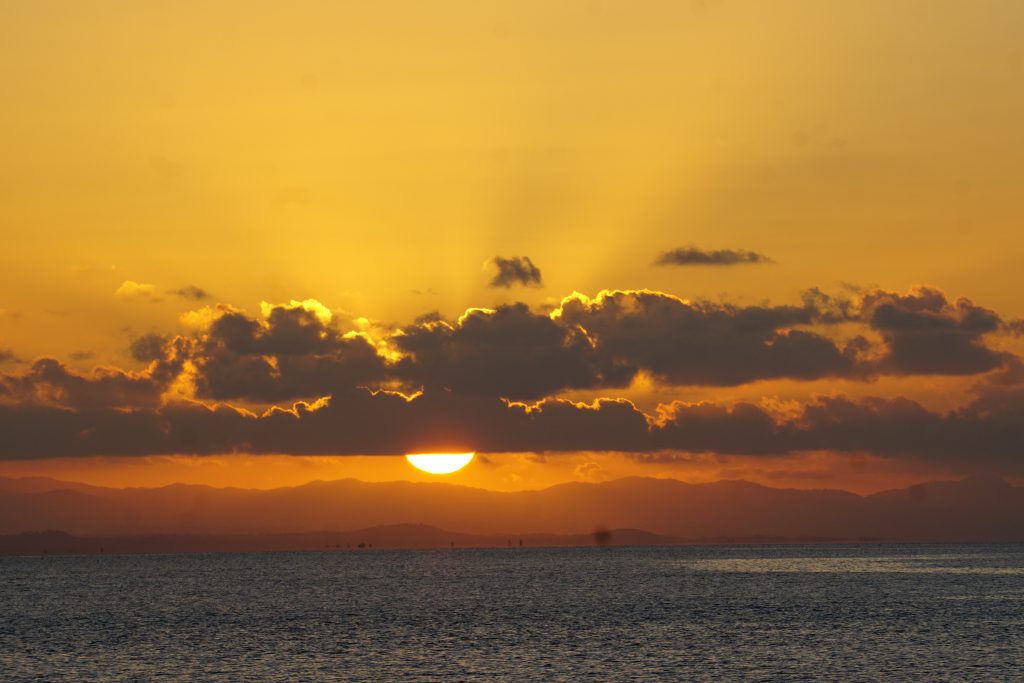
937,612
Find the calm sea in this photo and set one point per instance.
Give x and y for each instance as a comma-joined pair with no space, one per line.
935,612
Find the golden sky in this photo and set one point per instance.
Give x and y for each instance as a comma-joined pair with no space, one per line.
162,158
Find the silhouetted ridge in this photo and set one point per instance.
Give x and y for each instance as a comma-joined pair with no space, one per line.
980,508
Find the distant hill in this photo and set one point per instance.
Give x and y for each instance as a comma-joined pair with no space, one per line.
974,509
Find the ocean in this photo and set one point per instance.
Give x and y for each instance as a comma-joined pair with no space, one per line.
824,612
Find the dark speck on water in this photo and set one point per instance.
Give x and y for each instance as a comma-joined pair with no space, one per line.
836,613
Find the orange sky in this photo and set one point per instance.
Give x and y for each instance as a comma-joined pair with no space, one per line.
501,472
271,198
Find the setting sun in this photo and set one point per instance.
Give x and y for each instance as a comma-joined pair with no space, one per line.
726,295
439,463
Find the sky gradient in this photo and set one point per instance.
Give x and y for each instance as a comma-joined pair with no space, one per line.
255,245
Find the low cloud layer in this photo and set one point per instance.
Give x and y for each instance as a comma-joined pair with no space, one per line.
989,430
692,256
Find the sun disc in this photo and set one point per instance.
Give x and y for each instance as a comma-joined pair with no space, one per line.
439,463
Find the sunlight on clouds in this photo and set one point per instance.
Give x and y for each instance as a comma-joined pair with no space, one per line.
183,386
130,289
322,313
476,310
200,318
625,299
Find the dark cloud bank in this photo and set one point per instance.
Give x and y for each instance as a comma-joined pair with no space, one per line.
988,431
473,372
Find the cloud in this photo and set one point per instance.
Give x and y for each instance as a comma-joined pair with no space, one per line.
294,351
130,289
49,382
692,256
488,380
989,430
322,313
357,422
201,318
923,331
603,342
702,343
590,471
518,270
191,292
148,347
6,355
300,351
926,333
509,351
1010,374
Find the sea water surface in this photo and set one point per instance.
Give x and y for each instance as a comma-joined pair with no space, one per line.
923,612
